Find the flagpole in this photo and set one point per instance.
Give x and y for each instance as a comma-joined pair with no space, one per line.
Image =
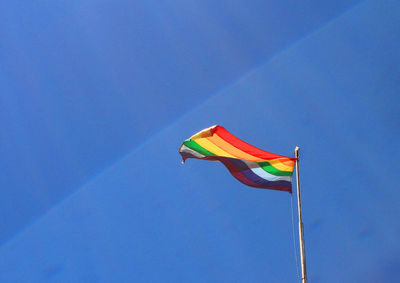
301,232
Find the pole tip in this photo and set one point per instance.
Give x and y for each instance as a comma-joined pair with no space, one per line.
296,151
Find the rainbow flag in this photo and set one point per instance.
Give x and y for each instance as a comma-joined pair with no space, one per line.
251,166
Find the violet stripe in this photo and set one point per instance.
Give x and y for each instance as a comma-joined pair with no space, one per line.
242,167
233,169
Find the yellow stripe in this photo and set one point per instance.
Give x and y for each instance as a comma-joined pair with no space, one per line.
204,142
280,166
210,146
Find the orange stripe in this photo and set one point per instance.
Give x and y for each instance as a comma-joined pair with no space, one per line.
215,139
288,162
224,145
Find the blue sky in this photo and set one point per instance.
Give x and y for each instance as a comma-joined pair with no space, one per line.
97,96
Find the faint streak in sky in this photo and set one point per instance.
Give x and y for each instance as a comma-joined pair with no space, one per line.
211,96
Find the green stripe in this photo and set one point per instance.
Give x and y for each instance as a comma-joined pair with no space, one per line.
196,147
272,170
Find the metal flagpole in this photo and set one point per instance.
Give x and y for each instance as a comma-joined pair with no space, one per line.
301,232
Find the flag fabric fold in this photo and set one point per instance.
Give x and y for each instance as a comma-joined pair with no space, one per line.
250,165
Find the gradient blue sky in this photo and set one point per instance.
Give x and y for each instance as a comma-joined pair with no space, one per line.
96,97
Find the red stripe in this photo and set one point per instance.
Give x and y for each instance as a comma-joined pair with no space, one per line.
244,146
